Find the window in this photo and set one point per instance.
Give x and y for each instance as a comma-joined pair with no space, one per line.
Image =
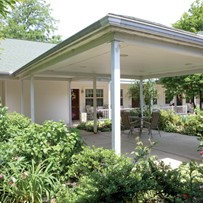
89,97
121,97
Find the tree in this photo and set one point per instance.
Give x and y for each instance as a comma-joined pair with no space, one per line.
190,85
30,20
193,19
5,5
149,91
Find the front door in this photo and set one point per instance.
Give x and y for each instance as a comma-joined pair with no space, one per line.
75,104
135,103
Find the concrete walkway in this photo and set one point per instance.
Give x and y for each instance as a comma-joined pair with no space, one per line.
172,148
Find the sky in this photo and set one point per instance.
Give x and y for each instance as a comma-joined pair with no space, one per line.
75,15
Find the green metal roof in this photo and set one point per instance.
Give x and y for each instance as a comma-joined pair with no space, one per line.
15,53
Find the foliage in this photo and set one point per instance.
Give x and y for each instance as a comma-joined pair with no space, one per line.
49,163
102,125
11,124
190,124
193,19
96,171
98,175
5,5
52,141
23,182
191,179
190,85
170,121
30,20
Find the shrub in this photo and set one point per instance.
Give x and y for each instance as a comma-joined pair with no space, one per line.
99,175
102,125
49,163
51,141
170,121
11,124
193,124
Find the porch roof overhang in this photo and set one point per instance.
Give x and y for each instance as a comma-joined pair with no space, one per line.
147,50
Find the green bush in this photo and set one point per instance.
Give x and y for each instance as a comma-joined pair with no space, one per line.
170,121
49,163
52,141
95,172
190,124
98,175
11,124
102,125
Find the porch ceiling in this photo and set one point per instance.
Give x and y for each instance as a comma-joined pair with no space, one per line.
147,51
136,62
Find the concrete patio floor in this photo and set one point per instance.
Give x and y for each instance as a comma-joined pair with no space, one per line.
172,148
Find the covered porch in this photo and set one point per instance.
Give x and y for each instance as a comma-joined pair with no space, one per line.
116,47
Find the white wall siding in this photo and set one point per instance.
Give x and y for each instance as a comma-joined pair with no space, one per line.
51,99
13,95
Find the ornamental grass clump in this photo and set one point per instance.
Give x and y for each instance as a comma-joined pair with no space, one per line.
28,183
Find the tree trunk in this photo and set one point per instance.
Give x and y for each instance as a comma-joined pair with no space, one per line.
193,102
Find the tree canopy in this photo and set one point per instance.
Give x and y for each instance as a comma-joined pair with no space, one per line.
5,5
30,20
190,85
193,19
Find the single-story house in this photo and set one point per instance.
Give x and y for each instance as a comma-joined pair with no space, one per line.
23,51
112,48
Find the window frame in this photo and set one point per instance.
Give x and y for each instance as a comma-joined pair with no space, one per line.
99,96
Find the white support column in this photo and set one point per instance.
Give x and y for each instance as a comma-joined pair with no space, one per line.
22,98
32,99
141,98
70,103
152,95
109,98
95,103
115,96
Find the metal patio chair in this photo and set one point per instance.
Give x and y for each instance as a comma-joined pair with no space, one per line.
127,123
151,123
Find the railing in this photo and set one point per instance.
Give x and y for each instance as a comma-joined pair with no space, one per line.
178,109
104,113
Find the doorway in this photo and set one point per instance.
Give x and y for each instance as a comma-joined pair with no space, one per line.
75,104
135,103
179,100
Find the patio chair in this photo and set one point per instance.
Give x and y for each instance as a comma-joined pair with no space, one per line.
127,124
90,113
152,123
